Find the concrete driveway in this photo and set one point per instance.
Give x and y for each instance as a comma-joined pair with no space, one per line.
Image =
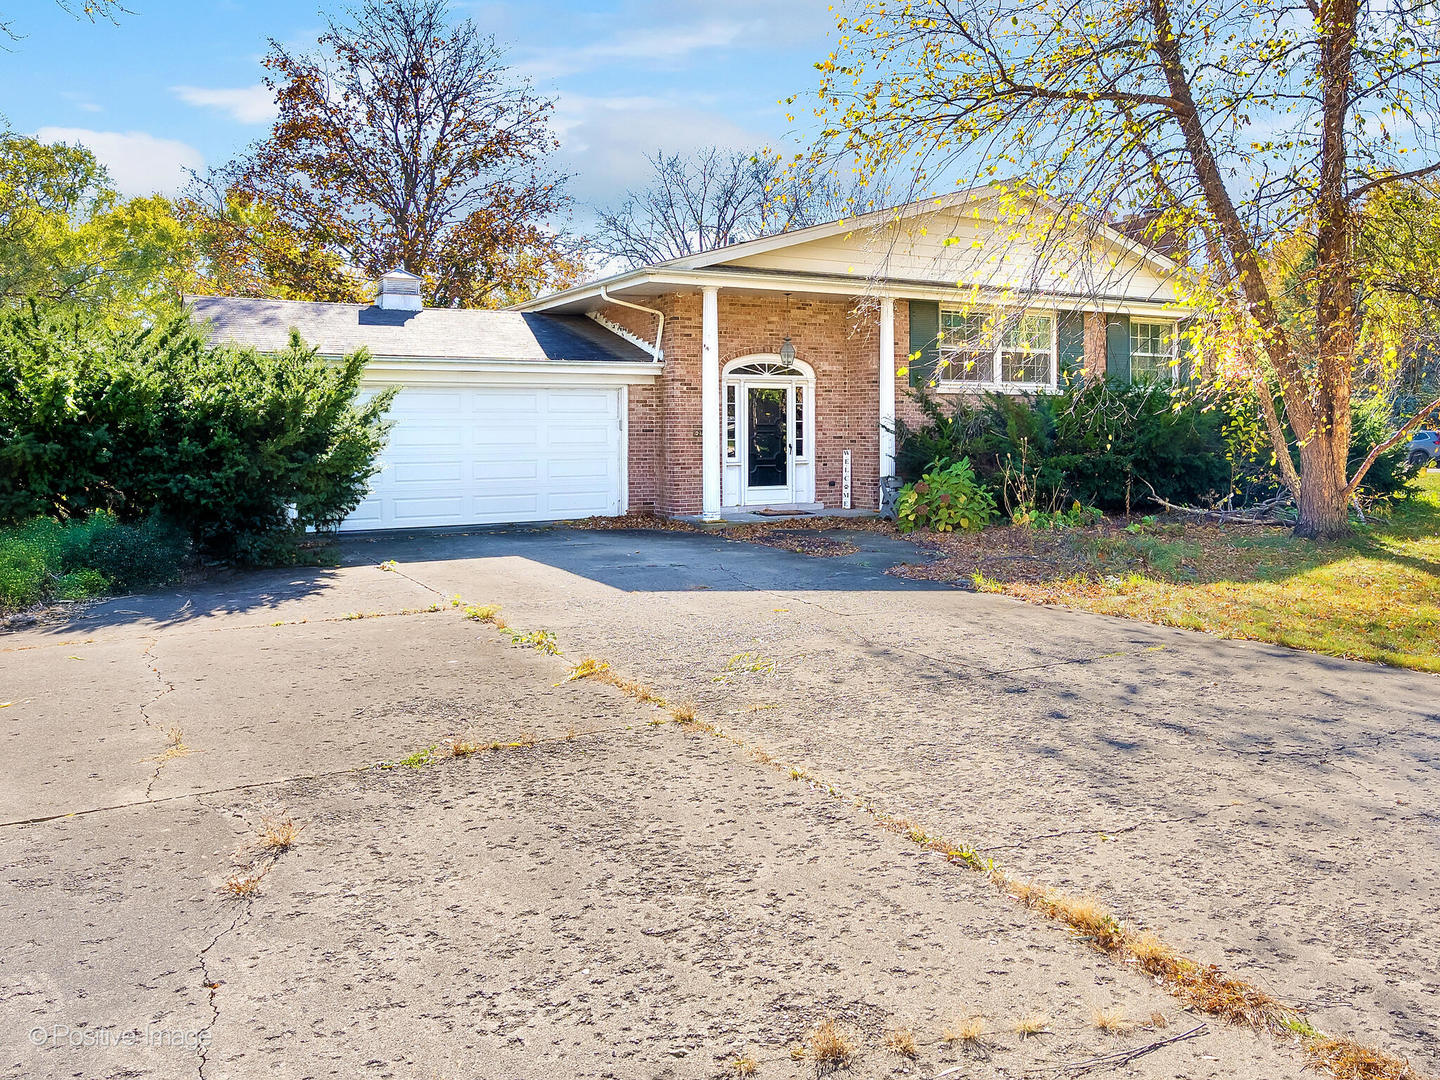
607,897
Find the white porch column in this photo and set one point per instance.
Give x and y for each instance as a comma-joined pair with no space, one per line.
887,386
710,448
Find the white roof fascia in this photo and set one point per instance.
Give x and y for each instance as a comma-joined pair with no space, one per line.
607,370
773,281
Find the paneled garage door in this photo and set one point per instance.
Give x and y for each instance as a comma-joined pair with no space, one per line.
487,455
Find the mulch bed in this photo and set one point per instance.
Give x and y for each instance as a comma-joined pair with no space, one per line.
636,519
803,543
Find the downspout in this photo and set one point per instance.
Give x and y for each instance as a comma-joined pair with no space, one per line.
656,352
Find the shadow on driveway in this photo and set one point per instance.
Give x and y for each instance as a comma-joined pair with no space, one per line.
643,560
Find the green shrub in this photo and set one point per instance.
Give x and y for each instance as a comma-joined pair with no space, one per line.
1077,517
228,444
947,497
46,559
30,557
137,556
1107,444
1100,443
80,584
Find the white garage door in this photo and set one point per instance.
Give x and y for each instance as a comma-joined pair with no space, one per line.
487,455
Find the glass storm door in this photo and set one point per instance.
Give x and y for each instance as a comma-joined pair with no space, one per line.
767,448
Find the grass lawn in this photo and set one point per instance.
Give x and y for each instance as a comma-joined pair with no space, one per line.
1373,597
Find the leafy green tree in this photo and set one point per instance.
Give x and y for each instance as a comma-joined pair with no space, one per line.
243,246
1232,126
67,237
1399,253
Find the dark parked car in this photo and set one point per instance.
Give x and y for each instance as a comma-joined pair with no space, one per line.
1425,448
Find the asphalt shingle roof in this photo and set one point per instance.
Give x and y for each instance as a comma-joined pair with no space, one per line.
434,333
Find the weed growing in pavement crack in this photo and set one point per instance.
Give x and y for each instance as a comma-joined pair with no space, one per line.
277,836
417,760
244,885
539,640
1032,1023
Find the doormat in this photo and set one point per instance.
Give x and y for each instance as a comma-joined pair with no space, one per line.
771,512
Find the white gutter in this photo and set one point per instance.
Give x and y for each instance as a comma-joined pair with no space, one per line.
656,352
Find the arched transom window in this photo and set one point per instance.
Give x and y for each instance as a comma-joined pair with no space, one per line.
768,367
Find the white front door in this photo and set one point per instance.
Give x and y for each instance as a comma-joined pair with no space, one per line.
480,455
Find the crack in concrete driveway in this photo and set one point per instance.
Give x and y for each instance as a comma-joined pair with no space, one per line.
643,903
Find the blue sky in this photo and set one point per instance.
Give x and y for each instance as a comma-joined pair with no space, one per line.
176,83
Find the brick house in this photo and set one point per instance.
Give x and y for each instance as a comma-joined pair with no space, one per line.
763,374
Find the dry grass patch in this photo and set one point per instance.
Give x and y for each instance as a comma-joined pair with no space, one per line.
901,1042
466,747
1030,1024
242,886
830,1047
745,1065
1346,1059
1112,1020
967,1031
175,747
683,712
1258,583
277,835
1147,948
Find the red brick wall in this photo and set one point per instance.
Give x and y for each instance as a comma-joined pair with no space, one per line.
835,337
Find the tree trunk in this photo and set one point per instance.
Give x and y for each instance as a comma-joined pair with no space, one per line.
1323,500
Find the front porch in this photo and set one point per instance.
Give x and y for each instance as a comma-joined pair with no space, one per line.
765,417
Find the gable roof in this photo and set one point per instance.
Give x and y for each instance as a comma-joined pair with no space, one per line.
875,219
431,333
801,256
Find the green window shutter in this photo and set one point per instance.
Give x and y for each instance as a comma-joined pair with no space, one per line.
1185,351
924,332
1117,347
1071,340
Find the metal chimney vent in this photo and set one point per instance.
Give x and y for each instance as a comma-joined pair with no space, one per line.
399,291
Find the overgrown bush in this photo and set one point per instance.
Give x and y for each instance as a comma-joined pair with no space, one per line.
946,498
1100,443
1107,445
237,449
45,559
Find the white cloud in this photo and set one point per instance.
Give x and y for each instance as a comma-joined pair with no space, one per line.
139,163
81,102
605,140
245,104
653,47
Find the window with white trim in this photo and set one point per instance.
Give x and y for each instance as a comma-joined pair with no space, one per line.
1027,351
967,354
985,349
799,423
1152,351
732,398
